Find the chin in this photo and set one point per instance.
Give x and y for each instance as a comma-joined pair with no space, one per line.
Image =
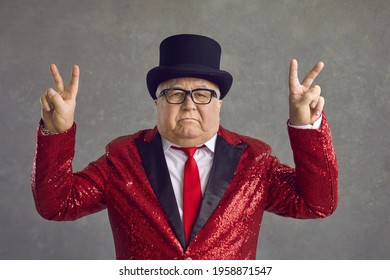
189,135
189,132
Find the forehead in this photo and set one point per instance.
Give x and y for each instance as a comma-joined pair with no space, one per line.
188,83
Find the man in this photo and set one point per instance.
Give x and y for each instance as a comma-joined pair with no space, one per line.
187,188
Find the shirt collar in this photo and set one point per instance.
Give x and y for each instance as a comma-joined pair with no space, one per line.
210,144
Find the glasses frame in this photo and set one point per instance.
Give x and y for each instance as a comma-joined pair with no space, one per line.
188,92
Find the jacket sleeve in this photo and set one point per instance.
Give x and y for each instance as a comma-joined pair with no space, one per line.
311,189
59,193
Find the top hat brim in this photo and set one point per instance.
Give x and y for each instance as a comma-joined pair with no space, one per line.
161,74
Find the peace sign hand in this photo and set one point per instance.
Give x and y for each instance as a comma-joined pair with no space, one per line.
58,106
305,102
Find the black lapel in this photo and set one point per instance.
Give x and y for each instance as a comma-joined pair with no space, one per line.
226,158
153,160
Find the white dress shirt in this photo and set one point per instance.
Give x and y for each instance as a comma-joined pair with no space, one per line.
204,157
175,161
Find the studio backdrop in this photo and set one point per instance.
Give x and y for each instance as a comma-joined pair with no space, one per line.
115,43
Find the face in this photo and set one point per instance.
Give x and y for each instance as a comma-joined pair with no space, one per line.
188,124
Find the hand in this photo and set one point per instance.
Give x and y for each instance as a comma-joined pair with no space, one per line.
58,106
305,102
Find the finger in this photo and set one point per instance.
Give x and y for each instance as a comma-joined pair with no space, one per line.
313,74
293,76
44,103
48,99
320,107
314,93
74,81
57,78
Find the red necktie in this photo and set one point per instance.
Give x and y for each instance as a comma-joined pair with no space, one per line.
192,194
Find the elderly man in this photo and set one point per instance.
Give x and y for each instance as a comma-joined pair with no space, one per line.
188,188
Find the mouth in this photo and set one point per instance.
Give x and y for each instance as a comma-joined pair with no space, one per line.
188,119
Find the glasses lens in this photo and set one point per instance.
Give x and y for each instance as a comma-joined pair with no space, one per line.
201,96
175,96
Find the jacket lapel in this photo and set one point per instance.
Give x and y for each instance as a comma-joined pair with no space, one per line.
153,160
225,163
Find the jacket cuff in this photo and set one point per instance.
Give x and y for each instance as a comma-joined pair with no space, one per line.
42,131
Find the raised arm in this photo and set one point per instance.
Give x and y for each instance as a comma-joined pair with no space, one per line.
310,190
59,193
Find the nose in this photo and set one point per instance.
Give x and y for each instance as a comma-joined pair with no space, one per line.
188,104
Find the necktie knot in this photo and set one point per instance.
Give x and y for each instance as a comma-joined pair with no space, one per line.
189,151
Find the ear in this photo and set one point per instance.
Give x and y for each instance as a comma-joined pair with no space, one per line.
219,104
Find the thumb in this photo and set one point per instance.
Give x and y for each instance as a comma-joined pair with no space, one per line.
312,95
55,98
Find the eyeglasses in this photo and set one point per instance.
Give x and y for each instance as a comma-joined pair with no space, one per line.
200,96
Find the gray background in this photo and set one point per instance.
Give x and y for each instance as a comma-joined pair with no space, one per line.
116,42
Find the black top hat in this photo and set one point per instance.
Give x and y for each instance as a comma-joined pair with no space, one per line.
187,55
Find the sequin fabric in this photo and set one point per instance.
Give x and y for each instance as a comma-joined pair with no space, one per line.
117,181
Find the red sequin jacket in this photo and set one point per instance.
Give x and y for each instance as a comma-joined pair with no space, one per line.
132,181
